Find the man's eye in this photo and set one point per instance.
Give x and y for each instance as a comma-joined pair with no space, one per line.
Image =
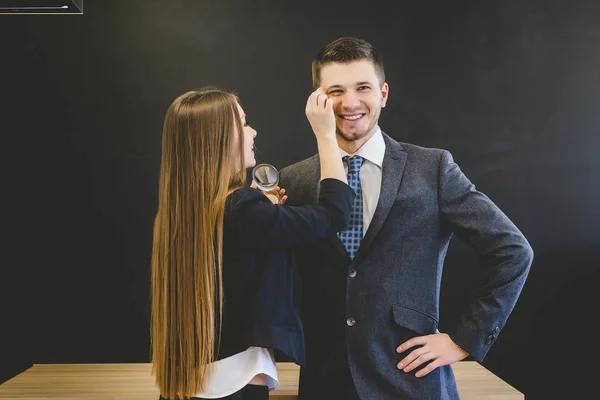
364,88
334,92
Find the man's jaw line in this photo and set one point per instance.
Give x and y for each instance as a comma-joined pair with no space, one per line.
352,146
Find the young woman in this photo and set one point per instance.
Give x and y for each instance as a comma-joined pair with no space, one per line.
222,274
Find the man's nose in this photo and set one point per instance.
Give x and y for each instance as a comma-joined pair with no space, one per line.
350,100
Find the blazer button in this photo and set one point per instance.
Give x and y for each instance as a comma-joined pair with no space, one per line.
350,321
489,339
352,273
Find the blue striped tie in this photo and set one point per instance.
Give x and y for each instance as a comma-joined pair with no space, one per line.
352,236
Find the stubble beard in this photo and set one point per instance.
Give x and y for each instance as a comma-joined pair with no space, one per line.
360,134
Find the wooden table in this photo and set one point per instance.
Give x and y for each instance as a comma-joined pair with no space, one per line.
134,382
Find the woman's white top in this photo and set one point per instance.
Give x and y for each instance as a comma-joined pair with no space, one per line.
231,374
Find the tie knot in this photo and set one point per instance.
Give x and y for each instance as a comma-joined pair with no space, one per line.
354,163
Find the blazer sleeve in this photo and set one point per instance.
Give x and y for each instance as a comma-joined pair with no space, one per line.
259,224
501,249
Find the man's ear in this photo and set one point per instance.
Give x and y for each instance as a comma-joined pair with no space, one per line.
385,90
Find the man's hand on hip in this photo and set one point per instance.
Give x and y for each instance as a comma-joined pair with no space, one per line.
437,348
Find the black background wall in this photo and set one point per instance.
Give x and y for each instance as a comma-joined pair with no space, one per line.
511,88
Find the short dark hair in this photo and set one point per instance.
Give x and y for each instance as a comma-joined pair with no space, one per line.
345,50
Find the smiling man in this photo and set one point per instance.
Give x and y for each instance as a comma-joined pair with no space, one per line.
370,295
359,91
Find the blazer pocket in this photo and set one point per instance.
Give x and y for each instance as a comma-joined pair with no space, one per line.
421,323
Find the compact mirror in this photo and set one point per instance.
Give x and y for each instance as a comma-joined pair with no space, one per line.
265,176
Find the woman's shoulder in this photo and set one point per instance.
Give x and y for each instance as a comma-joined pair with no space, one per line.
244,195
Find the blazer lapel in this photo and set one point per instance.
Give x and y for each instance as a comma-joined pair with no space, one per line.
391,176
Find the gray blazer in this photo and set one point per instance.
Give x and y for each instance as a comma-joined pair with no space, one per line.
356,313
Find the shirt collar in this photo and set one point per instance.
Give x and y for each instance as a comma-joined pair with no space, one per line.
373,149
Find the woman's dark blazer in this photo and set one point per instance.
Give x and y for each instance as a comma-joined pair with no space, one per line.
258,267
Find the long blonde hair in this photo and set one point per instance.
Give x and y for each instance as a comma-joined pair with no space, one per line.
197,174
